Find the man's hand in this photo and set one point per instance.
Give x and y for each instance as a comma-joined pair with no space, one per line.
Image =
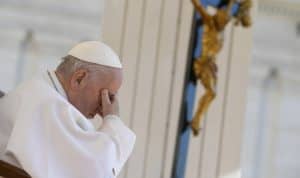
109,104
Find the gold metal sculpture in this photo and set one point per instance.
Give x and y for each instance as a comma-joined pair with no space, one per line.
205,68
243,14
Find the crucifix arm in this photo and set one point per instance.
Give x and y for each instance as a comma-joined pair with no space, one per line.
201,10
229,6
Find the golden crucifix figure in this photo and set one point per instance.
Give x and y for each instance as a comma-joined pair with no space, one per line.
205,67
243,16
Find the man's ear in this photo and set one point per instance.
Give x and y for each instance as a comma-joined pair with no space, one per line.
79,79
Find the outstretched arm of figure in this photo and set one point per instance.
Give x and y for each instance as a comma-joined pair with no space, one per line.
229,6
201,10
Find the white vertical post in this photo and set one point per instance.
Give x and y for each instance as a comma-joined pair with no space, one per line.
24,45
268,126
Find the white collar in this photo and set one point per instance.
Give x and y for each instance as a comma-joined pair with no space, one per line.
82,122
56,83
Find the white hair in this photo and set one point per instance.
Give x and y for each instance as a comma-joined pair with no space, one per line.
70,64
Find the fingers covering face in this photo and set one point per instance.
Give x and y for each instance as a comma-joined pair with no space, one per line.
105,97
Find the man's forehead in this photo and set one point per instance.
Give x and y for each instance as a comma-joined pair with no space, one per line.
107,70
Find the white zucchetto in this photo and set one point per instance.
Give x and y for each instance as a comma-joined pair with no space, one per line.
96,52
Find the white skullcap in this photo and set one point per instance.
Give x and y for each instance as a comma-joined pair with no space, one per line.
96,52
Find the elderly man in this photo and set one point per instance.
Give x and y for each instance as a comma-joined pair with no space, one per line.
44,122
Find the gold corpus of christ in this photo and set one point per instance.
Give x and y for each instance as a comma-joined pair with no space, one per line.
204,67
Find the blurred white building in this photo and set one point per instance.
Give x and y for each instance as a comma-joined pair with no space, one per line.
36,34
272,127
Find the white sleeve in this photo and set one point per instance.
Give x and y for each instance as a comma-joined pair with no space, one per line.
48,143
122,136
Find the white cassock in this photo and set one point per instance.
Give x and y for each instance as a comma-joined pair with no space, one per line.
48,137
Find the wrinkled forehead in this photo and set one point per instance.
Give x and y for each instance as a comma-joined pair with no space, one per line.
110,72
101,70
108,77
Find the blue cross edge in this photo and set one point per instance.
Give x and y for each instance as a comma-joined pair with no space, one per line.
189,92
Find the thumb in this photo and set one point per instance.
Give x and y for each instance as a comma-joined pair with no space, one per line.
105,98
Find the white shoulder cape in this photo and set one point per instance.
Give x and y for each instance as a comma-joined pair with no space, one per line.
48,143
